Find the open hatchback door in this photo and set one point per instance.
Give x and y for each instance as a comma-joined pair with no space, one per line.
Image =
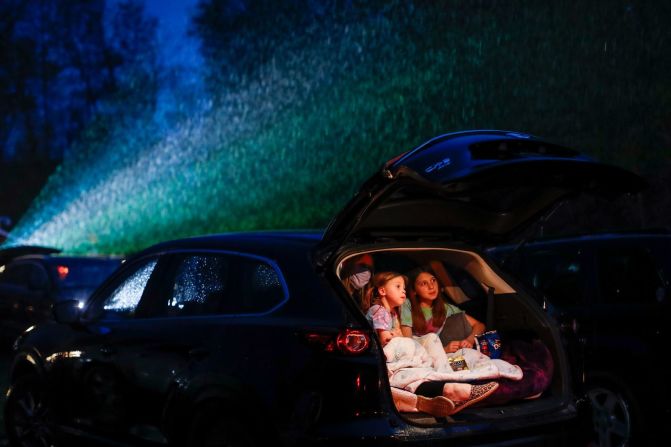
478,187
436,207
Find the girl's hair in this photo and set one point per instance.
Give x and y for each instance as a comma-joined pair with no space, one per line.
379,280
437,306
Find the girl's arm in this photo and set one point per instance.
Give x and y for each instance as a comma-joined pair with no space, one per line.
477,328
406,331
385,336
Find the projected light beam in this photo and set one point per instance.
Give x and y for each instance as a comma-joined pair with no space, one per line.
214,173
286,149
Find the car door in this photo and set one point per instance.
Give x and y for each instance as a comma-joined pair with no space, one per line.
94,389
632,309
563,276
195,319
147,349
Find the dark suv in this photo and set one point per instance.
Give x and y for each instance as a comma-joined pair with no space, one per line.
611,293
244,339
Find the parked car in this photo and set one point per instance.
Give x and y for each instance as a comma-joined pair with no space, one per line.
611,293
251,338
30,284
9,253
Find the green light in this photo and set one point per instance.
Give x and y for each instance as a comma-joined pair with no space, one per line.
287,146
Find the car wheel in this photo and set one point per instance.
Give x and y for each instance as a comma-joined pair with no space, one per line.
213,425
611,417
27,415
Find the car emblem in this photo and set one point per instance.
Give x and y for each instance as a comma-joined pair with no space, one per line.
438,165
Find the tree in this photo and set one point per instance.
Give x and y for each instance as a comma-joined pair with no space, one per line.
133,48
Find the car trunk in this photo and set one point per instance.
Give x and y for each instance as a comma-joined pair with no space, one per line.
442,202
480,290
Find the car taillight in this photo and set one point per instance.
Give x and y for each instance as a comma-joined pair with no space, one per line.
63,271
348,341
353,341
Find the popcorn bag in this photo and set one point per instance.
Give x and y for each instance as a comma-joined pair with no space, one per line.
489,344
458,363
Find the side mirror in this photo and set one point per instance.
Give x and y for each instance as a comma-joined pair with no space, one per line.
67,312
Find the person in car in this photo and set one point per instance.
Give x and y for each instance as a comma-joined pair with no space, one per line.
356,274
426,311
387,295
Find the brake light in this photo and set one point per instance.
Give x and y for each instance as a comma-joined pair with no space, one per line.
324,341
349,341
353,341
62,271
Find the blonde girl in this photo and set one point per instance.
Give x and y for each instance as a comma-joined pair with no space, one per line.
386,295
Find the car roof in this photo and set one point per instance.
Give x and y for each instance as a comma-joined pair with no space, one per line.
56,258
590,238
267,243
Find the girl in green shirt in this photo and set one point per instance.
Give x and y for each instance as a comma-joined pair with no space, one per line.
426,310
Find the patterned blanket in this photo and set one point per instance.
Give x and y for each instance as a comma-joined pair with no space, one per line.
413,361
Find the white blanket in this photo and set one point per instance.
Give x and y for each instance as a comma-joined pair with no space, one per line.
409,364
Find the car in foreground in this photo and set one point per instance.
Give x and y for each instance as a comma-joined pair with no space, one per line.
611,293
30,285
251,338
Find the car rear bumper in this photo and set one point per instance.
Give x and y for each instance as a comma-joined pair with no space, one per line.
386,431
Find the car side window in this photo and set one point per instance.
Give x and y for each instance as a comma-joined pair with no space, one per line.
223,284
559,274
262,288
628,275
123,300
200,285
